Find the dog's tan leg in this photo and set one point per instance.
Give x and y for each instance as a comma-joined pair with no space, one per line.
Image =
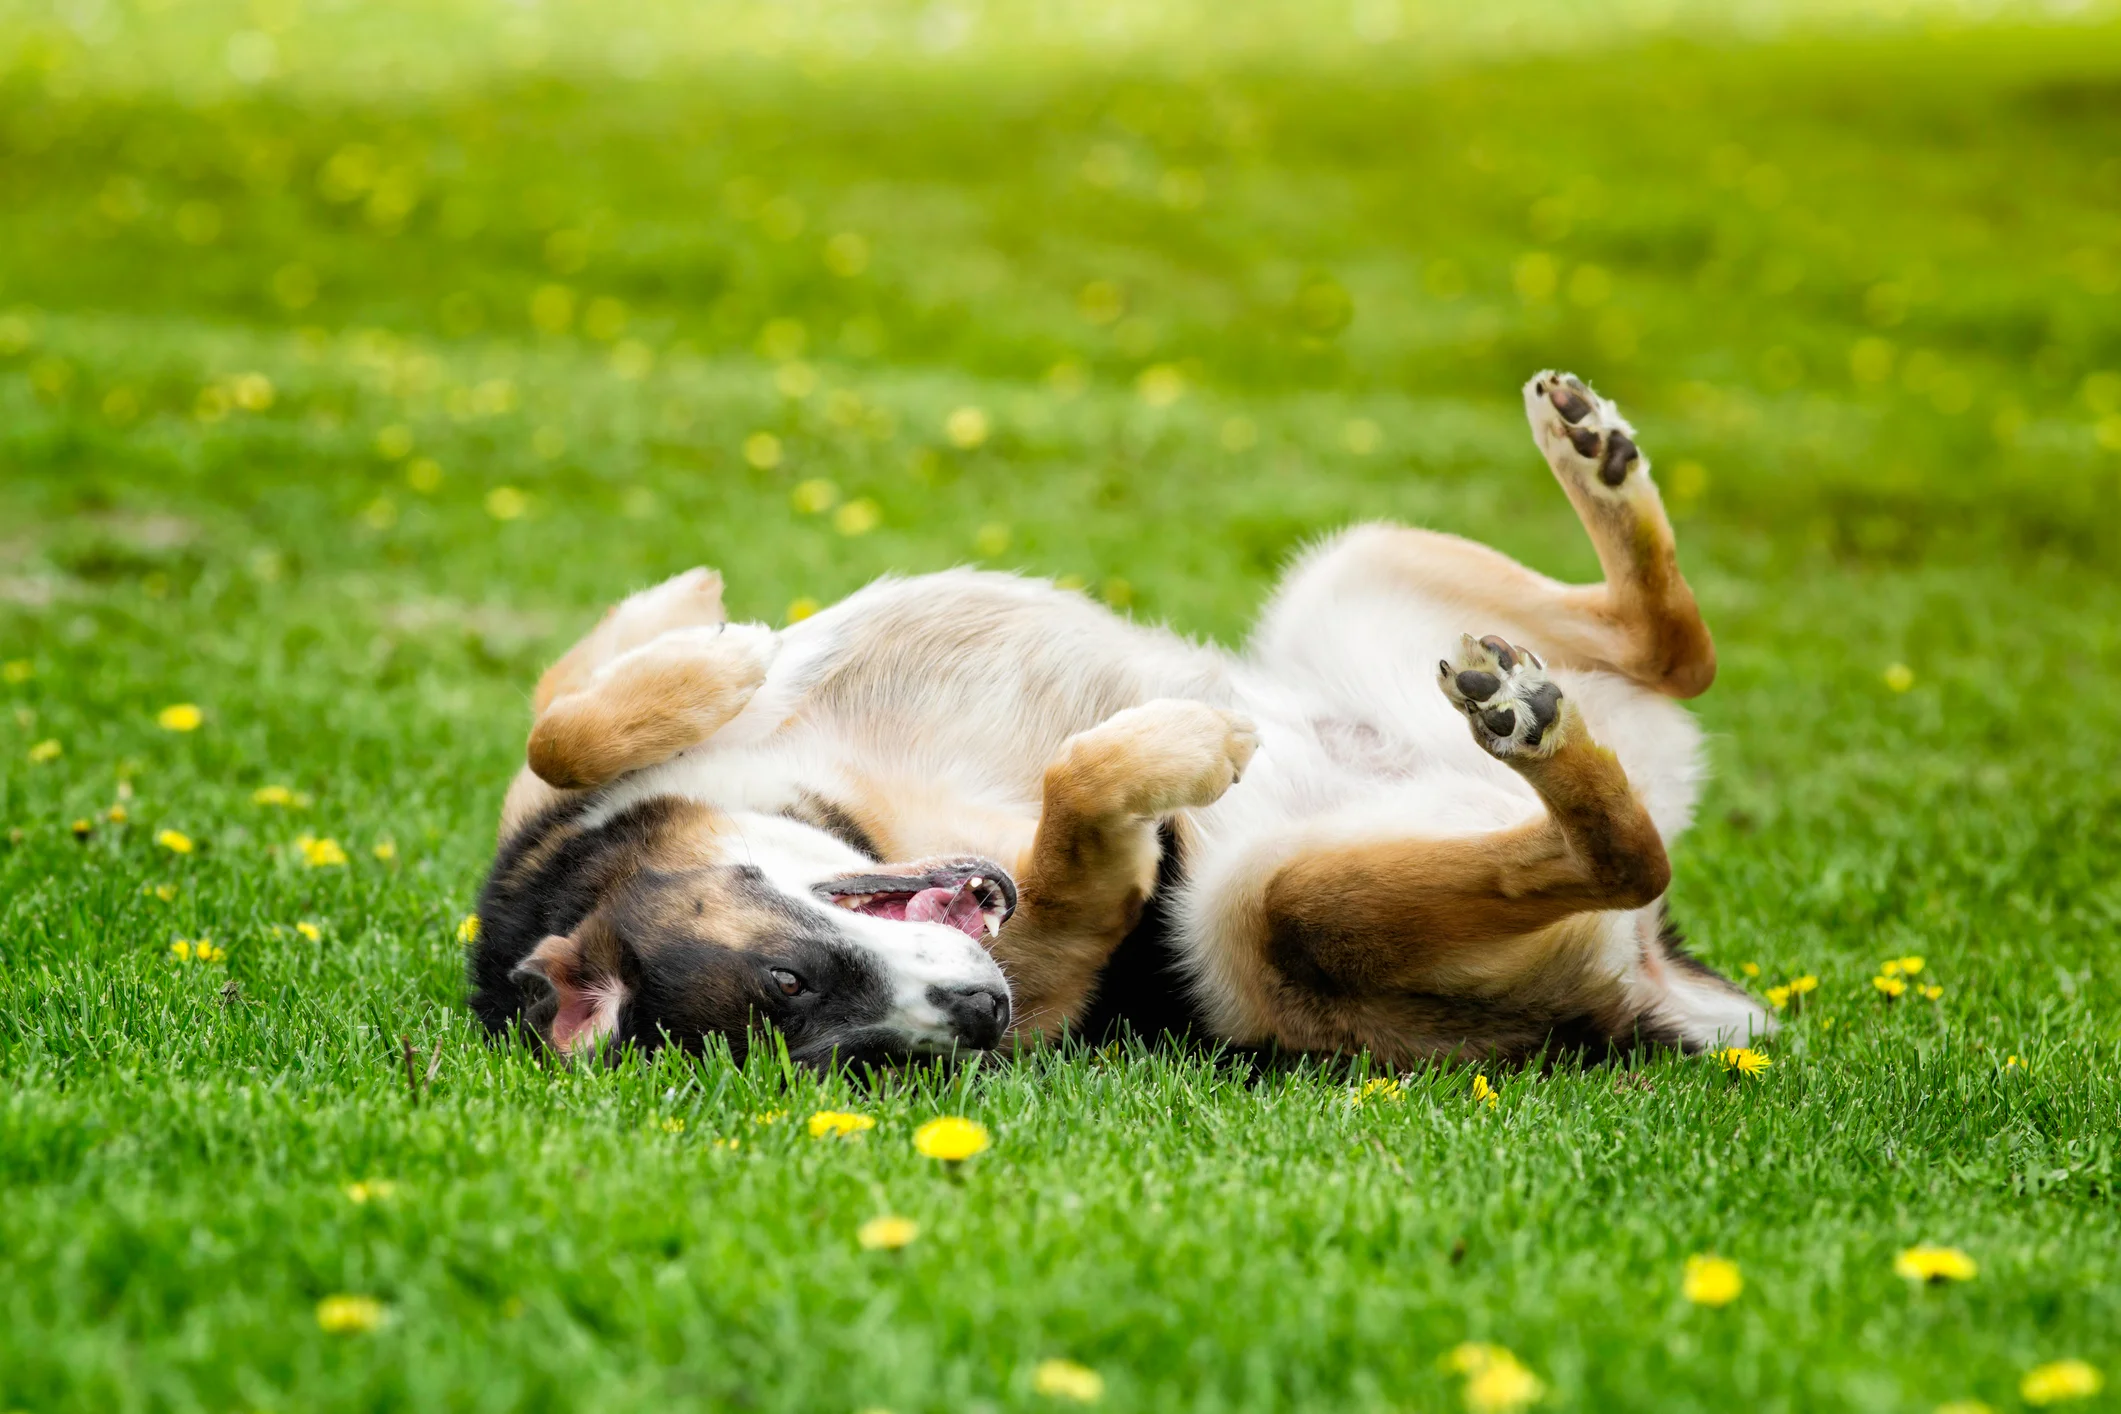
1092,863
690,600
1641,622
1369,918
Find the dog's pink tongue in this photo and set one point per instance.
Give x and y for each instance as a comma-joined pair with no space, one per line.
957,908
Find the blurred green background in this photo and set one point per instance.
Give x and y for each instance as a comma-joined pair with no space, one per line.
354,355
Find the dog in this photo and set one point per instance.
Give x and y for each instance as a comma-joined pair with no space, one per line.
924,820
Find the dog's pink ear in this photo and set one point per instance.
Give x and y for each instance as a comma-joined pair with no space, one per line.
585,1007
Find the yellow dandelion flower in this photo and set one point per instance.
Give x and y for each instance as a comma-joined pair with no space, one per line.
385,850
1711,1281
887,1233
506,503
204,950
1933,991
838,1124
763,450
1934,1264
351,1315
82,827
1743,1060
1750,969
272,795
1484,1093
1912,963
1496,1380
814,496
181,950
320,854
1384,1090
1899,677
950,1138
1801,985
310,931
966,427
117,814
164,892
801,608
1889,968
1890,985
1963,1406
175,841
45,750
1778,997
1065,1379
468,928
858,517
2013,1063
16,671
769,1116
728,1143
674,1124
2060,1380
374,1190
180,717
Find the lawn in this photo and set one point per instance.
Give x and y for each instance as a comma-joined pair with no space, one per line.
353,357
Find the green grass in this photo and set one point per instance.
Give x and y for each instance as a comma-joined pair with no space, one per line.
1857,286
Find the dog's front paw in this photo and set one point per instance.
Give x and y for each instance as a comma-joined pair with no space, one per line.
1504,690
1584,437
1166,755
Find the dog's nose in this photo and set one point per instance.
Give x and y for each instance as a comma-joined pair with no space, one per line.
979,1015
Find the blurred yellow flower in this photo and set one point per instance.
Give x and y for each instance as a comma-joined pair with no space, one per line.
1887,983
728,1143
45,750
385,850
82,828
1160,385
886,1233
2063,1379
272,795
763,450
2013,1063
815,495
857,517
966,427
310,931
950,1138
17,670
204,950
350,1315
1484,1093
1750,969
1912,963
1800,985
175,841
506,503
319,854
1384,1090
468,928
180,717
117,814
1933,991
1743,1060
164,892
1711,1281
1496,1380
1934,1264
1963,1406
802,608
1899,677
1889,968
1065,1379
838,1123
372,1190
1778,996
991,540
674,1124
769,1116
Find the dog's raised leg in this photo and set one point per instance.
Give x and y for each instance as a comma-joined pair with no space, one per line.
1092,863
1371,917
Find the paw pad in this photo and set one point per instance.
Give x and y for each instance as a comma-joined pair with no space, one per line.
1599,443
1504,690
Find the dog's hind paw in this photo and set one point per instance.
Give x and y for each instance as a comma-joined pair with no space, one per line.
1584,437
1504,690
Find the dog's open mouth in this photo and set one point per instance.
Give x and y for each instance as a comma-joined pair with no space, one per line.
974,896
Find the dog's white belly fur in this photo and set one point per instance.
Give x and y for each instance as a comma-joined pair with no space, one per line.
1356,742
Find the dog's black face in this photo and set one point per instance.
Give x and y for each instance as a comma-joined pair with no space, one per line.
723,951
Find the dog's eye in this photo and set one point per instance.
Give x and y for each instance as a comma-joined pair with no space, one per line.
791,985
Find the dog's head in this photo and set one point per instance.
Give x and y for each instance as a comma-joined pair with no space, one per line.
769,923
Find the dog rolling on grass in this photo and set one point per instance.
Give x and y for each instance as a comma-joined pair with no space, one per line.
924,819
